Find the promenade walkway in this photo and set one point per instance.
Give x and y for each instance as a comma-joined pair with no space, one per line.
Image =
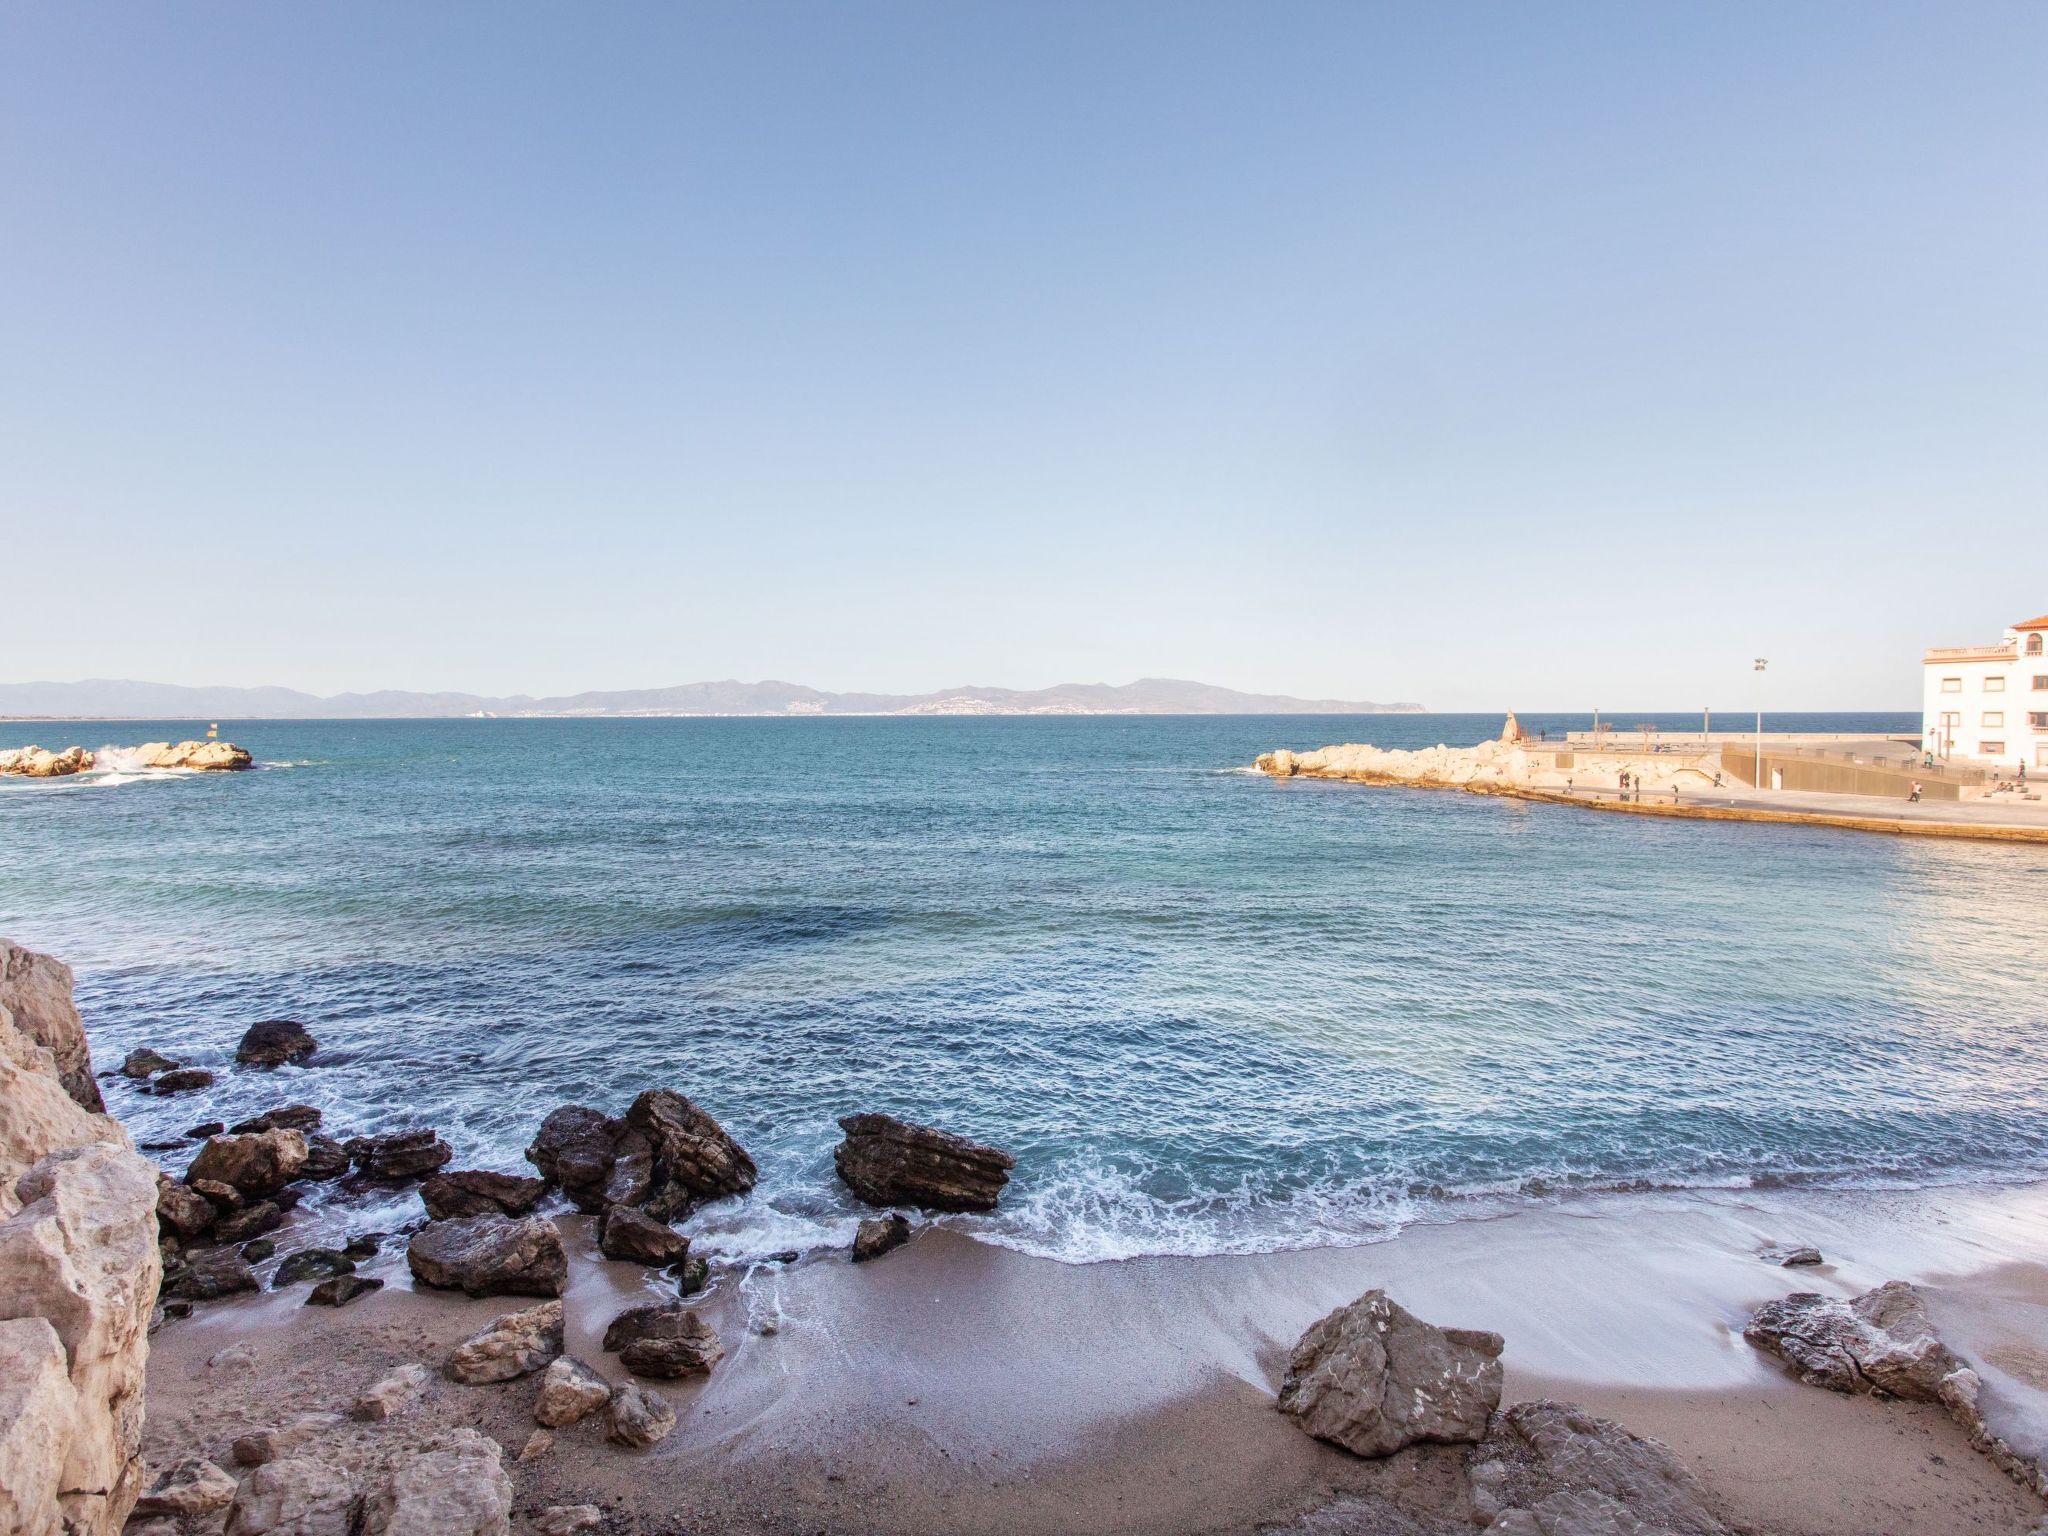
2004,818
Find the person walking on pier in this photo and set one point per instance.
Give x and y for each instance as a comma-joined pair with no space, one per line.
1916,791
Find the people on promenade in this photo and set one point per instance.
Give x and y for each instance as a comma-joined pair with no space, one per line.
1915,795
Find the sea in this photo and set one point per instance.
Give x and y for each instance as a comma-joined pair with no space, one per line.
1207,1011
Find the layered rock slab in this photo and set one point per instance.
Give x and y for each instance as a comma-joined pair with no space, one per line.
1372,1377
886,1161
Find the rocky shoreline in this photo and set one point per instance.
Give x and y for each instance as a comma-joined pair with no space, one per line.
33,762
104,1249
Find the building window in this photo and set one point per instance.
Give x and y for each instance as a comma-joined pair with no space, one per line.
1991,749
1994,719
1951,685
2041,682
1994,685
2038,720
2033,645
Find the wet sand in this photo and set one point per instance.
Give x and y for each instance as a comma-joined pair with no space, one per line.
955,1386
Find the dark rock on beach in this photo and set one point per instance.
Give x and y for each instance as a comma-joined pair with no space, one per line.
637,1416
312,1264
363,1245
399,1155
182,1210
574,1148
250,1221
667,1341
634,1236
206,1128
213,1273
341,1290
257,1249
490,1256
222,1197
274,1042
886,1161
326,1158
878,1235
1553,1469
183,1080
1372,1377
478,1192
694,1159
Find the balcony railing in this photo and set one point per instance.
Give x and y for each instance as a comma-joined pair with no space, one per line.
1972,653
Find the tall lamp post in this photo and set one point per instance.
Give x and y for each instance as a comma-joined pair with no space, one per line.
1757,775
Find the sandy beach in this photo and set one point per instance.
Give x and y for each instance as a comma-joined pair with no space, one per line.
958,1386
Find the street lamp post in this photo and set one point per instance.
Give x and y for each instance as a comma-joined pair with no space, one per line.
1757,774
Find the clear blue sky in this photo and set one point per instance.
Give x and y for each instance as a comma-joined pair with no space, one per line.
1487,355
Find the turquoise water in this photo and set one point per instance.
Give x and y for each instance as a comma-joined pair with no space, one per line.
1206,1010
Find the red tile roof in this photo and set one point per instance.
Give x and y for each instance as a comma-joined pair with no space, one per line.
2040,623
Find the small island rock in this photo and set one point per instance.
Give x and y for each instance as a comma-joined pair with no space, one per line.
886,1161
274,1043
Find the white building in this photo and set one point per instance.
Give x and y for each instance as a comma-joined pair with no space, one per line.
1989,703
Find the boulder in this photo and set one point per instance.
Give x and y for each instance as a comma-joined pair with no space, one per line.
212,756
35,991
878,1235
569,1390
456,1486
274,1042
667,1341
35,762
326,1158
1882,1342
180,1209
144,1062
575,1148
1790,1257
38,1413
637,1416
224,1198
194,1486
311,1264
204,1129
1372,1377
80,1256
631,1179
694,1159
514,1344
251,1220
183,1080
399,1155
477,1192
634,1236
390,1393
258,1250
214,1273
37,1115
294,1496
263,1445
341,1290
1552,1469
568,1520
255,1165
286,1117
886,1161
490,1256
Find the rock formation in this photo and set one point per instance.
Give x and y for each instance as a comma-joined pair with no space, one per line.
878,1235
274,1042
665,1341
1883,1341
637,1416
665,1156
1372,1377
255,1165
514,1344
33,762
475,1192
886,1161
78,1270
634,1236
569,1391
207,755
490,1256
1552,1469
396,1156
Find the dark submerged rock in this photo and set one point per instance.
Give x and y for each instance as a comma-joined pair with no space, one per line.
399,1155
878,1235
183,1080
341,1290
206,1128
326,1158
312,1264
145,1062
250,1221
213,1273
274,1042
286,1117
257,1249
477,1192
490,1256
886,1161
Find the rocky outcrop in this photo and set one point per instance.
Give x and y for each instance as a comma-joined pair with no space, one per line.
194,1486
144,1062
455,1487
476,1192
886,1161
36,991
490,1256
878,1235
286,1117
514,1344
274,1043
79,1257
396,1156
33,762
451,1484
665,1156
634,1236
667,1341
255,1166
38,1407
1372,1377
210,756
1552,1469
1883,1342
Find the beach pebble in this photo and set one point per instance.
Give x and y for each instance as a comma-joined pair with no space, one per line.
538,1444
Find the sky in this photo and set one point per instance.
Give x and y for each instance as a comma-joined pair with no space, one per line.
1490,356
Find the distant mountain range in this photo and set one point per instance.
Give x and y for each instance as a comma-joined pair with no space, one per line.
104,699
